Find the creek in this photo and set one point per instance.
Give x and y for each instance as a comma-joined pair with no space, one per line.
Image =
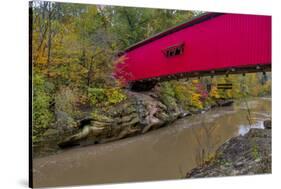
166,153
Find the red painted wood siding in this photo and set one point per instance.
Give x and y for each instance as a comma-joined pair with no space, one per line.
227,40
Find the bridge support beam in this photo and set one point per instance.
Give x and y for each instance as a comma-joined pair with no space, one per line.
147,84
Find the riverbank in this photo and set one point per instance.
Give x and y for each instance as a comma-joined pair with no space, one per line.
139,113
242,155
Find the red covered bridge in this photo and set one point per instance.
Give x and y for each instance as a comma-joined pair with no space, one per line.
211,44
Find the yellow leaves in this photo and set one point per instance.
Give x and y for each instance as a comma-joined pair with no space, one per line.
195,100
115,96
102,97
214,92
41,59
242,86
195,81
182,92
187,94
39,52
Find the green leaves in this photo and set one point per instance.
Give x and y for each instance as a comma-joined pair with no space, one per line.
136,24
100,97
115,96
41,100
96,95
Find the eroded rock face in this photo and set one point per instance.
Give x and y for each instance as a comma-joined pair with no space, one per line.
242,155
138,114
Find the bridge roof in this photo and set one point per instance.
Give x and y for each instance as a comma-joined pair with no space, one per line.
189,23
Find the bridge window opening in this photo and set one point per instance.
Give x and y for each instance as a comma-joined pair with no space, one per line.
171,53
179,51
174,50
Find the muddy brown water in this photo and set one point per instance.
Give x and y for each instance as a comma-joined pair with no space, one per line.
166,153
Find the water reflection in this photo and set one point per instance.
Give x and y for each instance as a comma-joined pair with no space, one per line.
166,153
244,129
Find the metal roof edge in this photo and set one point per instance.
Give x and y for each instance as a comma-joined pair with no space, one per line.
195,20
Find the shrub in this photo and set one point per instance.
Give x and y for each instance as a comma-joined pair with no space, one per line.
188,94
195,100
115,96
167,95
185,93
106,97
42,116
66,100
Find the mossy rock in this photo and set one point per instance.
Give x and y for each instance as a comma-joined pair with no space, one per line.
51,132
102,117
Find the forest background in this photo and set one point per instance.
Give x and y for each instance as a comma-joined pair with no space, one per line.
74,48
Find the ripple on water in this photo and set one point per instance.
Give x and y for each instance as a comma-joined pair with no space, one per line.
244,129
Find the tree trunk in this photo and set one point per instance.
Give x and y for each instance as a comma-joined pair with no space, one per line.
89,75
49,39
